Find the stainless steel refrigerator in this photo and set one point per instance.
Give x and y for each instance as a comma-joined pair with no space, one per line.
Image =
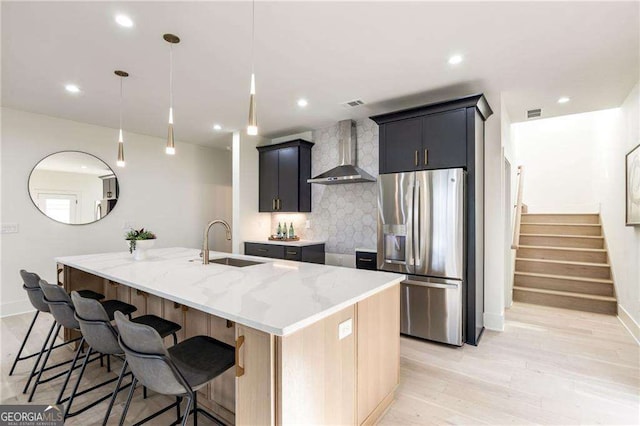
421,233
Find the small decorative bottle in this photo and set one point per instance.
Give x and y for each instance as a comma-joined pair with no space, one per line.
279,230
291,233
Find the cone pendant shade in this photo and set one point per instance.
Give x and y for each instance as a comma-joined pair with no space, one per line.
252,127
120,161
171,147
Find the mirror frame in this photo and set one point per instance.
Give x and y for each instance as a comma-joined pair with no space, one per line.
81,152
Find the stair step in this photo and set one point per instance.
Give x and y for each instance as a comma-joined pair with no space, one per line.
554,240
593,218
561,229
562,253
567,300
557,267
593,286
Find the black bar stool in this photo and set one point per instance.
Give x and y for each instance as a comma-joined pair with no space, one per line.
102,337
62,309
179,371
31,286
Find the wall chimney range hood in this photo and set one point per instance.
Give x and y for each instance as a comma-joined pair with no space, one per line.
347,171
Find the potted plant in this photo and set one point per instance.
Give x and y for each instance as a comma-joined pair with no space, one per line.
139,242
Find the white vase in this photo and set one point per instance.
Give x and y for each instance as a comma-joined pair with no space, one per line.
140,252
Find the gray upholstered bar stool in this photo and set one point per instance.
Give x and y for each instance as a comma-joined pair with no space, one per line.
102,337
62,309
179,371
31,284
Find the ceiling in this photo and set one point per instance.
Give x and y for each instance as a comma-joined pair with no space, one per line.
389,54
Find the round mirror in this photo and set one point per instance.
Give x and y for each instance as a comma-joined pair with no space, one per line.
73,187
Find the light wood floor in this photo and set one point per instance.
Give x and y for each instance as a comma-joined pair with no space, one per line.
550,366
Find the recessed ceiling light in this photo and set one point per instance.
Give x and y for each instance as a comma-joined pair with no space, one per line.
124,21
455,59
72,88
217,127
302,103
563,100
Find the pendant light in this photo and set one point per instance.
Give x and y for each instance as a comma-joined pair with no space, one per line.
171,39
252,127
120,162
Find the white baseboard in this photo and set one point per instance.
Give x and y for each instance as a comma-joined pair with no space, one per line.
494,322
629,323
15,308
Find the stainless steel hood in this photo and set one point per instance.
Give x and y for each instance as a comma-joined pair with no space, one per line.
347,171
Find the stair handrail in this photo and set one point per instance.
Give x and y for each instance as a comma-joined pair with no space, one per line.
518,216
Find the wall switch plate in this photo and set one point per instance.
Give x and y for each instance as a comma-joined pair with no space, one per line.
10,228
345,329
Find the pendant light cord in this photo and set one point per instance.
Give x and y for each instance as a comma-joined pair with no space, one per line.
121,78
170,75
253,31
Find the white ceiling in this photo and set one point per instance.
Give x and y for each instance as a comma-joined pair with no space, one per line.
390,54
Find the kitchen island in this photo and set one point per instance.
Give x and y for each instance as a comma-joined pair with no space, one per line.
314,343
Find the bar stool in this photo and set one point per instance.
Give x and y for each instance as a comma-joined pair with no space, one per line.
102,337
31,286
179,371
62,309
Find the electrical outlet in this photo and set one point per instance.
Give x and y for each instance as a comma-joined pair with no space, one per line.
307,224
10,228
345,329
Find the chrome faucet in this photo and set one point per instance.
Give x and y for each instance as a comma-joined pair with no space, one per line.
205,243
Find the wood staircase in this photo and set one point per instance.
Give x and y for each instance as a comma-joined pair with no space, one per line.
561,261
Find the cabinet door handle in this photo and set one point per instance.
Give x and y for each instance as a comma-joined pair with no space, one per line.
362,259
263,250
278,199
239,344
426,157
292,252
416,157
273,204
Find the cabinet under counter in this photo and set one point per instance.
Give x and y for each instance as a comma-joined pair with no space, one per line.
327,353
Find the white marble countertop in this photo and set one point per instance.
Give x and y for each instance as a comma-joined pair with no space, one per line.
278,297
366,250
300,243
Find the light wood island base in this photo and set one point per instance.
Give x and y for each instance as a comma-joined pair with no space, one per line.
308,377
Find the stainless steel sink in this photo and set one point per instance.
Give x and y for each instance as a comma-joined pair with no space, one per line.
229,261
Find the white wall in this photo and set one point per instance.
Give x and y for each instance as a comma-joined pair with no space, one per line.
87,187
510,154
248,224
172,195
561,162
623,242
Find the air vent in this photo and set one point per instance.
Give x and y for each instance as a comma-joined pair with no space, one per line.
354,103
534,113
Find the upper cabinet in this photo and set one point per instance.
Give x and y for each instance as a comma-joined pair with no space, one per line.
284,170
429,137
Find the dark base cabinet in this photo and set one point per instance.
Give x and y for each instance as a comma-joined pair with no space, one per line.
366,260
310,254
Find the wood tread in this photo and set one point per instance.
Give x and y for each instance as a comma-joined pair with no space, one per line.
560,214
560,224
566,277
561,235
563,262
566,293
564,248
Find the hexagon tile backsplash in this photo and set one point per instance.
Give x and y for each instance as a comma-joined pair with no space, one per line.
344,215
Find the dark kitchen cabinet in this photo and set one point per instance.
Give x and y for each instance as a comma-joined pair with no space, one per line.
444,135
431,141
283,172
109,187
313,253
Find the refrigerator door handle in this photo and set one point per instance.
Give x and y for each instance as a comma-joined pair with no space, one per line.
416,224
431,284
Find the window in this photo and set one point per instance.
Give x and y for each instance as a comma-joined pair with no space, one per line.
60,207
